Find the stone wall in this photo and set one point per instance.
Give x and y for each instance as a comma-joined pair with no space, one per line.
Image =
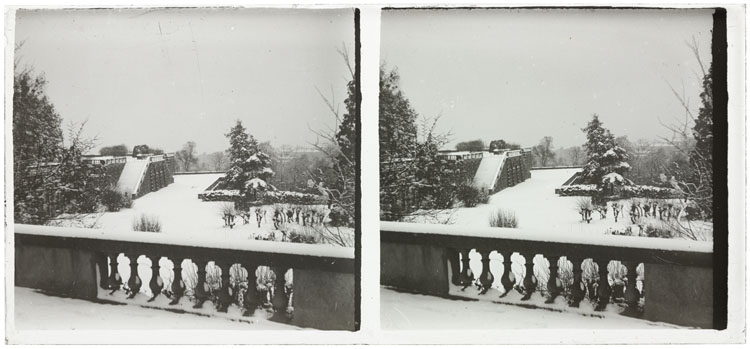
159,174
516,169
59,271
324,300
414,268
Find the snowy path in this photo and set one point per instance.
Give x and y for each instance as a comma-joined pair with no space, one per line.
489,168
405,311
36,311
131,176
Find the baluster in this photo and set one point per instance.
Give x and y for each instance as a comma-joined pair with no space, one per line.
467,276
632,295
201,296
577,290
279,299
178,286
604,291
101,262
529,281
251,296
508,279
486,278
224,295
591,282
156,283
455,265
114,280
134,283
553,287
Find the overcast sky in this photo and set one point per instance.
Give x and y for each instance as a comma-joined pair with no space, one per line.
164,77
521,75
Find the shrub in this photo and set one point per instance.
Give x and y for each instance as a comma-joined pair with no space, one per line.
265,198
127,201
338,217
302,237
653,231
472,196
227,208
503,219
147,223
112,200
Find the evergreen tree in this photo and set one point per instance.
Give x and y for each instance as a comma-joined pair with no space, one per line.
604,155
700,183
249,169
49,178
412,174
398,145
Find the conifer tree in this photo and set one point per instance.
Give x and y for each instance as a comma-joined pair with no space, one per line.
605,156
249,169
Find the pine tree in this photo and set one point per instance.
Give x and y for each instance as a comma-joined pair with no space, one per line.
605,156
249,169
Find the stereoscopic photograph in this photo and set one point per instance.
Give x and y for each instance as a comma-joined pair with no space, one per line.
552,168
184,168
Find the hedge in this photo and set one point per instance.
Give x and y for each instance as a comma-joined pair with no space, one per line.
266,198
626,191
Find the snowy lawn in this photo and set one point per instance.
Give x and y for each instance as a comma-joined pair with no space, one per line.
406,311
181,212
537,207
36,311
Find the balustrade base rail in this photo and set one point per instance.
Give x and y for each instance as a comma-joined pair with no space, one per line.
232,282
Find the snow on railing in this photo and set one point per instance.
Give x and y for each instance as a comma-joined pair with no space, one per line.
552,262
239,276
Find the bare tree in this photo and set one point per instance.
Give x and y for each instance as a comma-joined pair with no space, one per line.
543,151
218,160
186,156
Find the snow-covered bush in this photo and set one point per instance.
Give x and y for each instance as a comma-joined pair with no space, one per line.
472,196
147,223
578,190
647,191
625,191
265,198
112,200
302,237
503,219
338,218
127,201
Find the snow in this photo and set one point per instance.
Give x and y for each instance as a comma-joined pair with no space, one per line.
131,176
488,170
405,311
613,177
255,183
37,311
542,214
188,221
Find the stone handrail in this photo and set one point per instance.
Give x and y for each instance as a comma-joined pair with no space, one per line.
80,262
435,259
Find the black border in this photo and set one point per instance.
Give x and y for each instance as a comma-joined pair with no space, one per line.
720,171
358,176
